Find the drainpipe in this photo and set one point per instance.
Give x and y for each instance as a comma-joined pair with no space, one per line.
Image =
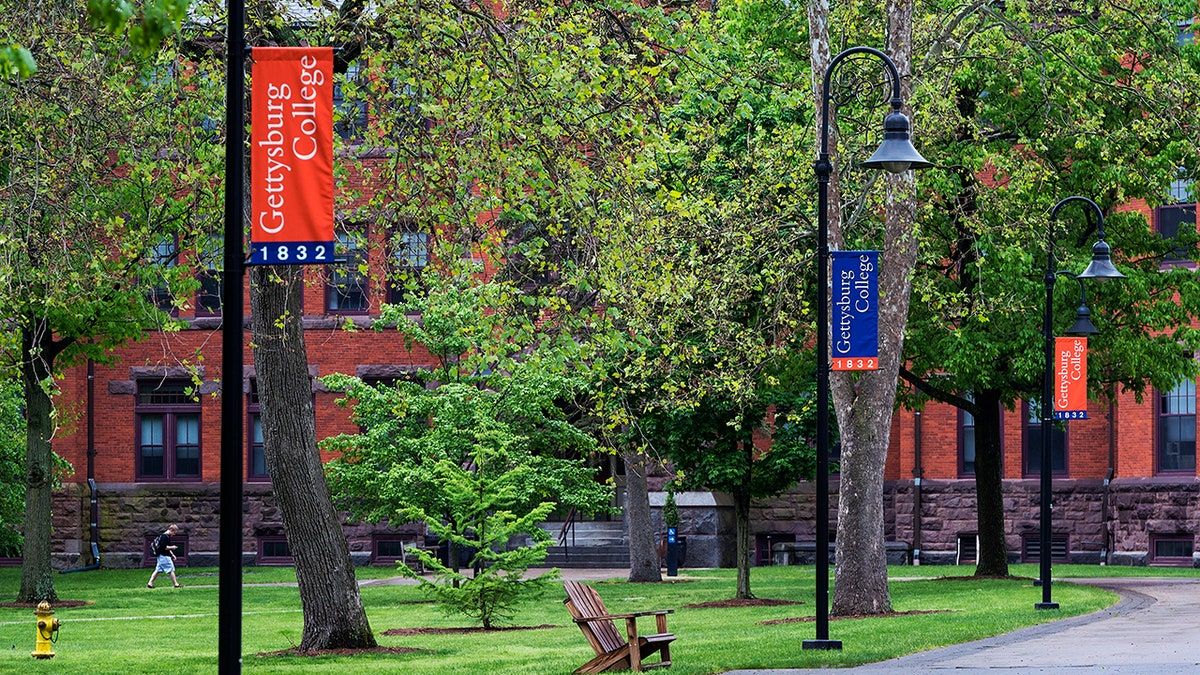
917,473
1105,517
94,512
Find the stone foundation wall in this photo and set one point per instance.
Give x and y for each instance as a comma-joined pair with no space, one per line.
1114,523
131,512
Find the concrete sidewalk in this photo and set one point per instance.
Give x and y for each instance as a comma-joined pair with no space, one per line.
1153,630
568,574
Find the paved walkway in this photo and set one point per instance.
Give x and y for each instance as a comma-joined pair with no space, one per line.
1153,630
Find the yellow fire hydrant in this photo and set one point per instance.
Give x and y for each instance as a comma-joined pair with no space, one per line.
47,631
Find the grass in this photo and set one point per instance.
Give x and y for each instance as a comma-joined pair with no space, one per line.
129,629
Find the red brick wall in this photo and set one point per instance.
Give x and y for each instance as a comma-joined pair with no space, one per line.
331,350
1130,432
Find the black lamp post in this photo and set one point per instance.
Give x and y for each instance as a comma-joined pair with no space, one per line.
896,154
229,593
1101,268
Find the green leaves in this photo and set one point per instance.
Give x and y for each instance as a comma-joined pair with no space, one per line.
12,467
480,450
147,26
1049,104
16,61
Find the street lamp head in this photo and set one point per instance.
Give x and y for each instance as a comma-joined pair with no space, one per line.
896,153
1101,267
1083,323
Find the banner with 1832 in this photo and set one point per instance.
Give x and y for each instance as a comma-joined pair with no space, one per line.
291,156
1070,378
855,297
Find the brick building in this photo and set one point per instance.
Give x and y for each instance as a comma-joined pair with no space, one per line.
1125,484
146,454
1125,488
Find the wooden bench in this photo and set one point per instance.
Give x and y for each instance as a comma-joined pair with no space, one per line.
614,652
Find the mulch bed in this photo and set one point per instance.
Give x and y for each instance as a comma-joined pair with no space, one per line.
54,605
460,631
743,602
809,619
665,580
341,652
1002,577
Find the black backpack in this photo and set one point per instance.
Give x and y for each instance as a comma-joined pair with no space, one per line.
156,545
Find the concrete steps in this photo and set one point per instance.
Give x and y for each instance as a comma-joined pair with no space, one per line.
587,557
588,545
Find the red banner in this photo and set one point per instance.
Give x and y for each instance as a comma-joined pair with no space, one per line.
1070,378
291,156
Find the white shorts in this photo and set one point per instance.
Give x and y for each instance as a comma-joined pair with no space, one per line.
165,564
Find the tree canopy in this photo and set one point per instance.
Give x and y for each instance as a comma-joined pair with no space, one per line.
1024,104
93,217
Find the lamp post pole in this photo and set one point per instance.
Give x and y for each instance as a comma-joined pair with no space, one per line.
1101,269
229,644
896,155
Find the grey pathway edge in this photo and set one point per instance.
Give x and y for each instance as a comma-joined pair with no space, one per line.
1154,629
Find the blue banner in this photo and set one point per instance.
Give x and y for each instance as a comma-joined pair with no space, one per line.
855,312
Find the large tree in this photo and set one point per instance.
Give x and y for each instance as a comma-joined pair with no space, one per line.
705,271
334,616
1110,112
864,401
514,131
92,214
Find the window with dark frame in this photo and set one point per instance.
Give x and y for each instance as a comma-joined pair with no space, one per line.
209,295
1187,33
1172,550
529,272
350,104
1031,433
167,431
274,550
408,262
1178,215
347,292
164,256
1031,548
387,549
1176,438
256,469
966,443
407,104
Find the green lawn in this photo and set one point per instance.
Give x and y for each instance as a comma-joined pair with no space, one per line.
131,629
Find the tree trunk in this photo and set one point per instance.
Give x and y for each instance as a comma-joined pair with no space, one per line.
865,406
643,556
989,493
37,578
741,512
860,573
333,609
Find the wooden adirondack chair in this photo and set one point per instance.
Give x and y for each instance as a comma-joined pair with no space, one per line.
614,652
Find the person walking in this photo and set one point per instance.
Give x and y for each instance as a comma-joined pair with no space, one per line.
165,551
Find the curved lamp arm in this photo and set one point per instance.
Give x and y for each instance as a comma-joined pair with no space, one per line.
896,153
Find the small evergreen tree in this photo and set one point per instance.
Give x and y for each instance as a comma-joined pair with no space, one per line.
479,449
670,512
